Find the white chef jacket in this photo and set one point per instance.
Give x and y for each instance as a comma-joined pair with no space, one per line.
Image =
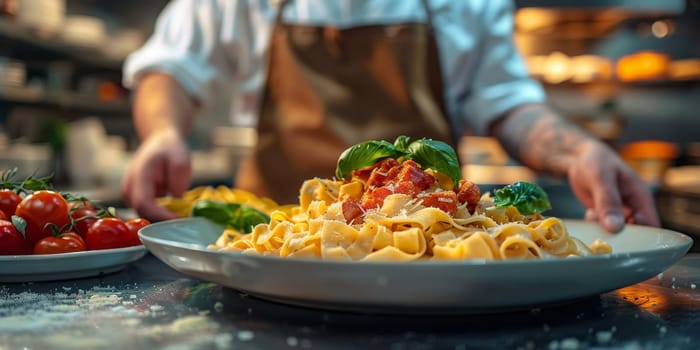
206,44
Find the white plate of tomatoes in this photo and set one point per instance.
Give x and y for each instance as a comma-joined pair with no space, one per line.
49,235
63,266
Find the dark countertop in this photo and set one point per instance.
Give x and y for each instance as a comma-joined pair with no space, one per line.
148,305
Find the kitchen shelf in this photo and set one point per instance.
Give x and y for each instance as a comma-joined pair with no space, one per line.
38,43
63,100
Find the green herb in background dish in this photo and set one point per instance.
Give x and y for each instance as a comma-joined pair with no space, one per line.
240,217
430,154
527,197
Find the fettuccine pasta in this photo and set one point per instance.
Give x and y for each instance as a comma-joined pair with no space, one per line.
399,212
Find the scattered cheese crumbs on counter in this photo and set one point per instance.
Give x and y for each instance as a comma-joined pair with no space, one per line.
223,340
569,344
23,314
184,325
245,335
77,341
218,306
292,341
603,337
306,343
101,300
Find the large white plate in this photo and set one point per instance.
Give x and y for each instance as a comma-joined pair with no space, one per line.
423,286
50,267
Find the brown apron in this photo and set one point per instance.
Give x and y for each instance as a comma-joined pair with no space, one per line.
330,88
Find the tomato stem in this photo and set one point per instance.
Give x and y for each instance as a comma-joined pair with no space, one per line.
28,185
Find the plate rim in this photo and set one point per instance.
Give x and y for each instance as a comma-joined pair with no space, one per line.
191,256
59,269
59,256
685,244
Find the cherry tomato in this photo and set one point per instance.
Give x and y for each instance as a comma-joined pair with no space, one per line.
9,201
108,233
134,226
83,218
11,241
3,216
67,242
41,209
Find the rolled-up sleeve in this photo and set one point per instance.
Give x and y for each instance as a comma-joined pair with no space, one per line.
185,44
501,81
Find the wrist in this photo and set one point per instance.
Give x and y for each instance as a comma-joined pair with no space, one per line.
542,140
566,158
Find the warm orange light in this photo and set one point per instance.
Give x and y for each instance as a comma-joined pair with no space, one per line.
644,65
658,299
649,158
644,296
649,149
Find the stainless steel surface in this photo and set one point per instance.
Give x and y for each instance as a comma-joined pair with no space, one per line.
150,306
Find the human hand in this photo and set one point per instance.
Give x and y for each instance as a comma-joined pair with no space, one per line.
613,193
161,166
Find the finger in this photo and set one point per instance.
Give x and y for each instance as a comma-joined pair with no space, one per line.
639,200
157,179
608,205
646,219
179,181
591,215
129,188
125,188
152,211
143,193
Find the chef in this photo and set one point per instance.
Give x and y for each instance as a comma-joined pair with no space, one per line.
320,75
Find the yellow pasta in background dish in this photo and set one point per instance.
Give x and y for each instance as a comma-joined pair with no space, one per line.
237,209
182,206
395,210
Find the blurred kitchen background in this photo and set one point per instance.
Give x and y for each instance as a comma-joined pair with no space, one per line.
628,71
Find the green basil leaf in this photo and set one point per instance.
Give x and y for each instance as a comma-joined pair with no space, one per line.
527,197
249,217
436,155
240,217
401,144
363,155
